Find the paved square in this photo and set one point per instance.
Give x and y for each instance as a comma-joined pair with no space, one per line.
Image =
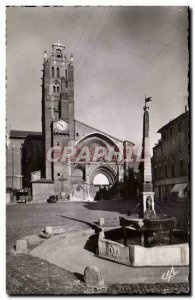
28,219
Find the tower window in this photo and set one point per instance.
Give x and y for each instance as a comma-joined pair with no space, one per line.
52,72
56,88
58,73
58,53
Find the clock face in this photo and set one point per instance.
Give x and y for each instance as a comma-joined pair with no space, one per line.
62,125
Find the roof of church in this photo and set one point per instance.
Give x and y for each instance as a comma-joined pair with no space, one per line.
24,134
97,130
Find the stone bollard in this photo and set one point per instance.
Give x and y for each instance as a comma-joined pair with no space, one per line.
48,230
92,277
101,222
21,246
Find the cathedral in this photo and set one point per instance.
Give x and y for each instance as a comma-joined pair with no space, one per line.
77,160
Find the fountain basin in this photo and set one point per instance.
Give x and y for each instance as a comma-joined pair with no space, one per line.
146,242
139,256
154,231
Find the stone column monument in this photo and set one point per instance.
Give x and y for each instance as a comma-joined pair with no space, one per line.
146,170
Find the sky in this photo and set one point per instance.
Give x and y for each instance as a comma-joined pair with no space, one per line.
121,55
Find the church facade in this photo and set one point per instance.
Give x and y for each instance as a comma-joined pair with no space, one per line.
78,160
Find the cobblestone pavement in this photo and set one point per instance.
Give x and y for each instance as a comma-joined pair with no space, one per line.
30,275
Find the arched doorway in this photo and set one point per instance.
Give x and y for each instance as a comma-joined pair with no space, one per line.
101,181
101,186
96,155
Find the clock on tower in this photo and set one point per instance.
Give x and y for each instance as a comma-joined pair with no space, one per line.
62,125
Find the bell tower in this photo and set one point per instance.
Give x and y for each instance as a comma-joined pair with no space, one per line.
58,126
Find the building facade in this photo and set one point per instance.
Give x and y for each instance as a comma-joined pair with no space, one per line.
76,160
72,179
171,158
24,155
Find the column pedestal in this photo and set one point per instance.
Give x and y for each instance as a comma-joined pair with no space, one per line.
148,204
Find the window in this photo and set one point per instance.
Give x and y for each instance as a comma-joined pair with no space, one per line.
161,172
181,167
172,171
164,135
58,53
179,141
179,138
166,192
171,141
58,73
66,76
52,72
166,171
171,132
77,134
58,174
179,127
155,173
58,143
56,88
159,193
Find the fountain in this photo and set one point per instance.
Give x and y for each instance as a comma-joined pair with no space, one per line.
151,234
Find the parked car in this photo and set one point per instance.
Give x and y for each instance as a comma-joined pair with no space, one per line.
22,196
52,199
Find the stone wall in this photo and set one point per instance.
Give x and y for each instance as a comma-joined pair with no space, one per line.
23,156
42,190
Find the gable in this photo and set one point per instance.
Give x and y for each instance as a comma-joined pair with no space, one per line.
82,129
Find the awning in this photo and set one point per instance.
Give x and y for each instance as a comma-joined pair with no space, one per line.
179,187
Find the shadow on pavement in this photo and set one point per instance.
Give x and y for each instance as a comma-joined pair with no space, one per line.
79,276
92,225
119,206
